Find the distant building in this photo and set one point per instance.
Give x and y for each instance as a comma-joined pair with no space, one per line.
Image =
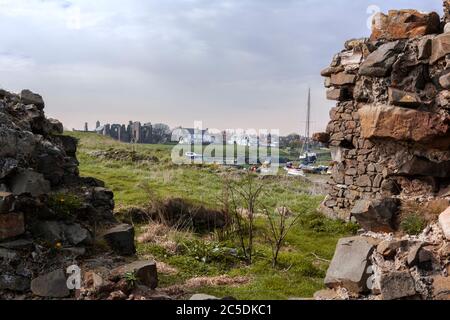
134,132
192,136
252,139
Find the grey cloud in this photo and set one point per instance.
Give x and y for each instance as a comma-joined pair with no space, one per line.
230,63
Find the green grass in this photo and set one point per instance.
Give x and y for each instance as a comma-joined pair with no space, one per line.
198,184
413,224
300,272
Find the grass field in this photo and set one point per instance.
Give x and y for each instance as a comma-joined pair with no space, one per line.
131,170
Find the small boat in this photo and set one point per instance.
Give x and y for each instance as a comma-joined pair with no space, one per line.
295,172
314,169
308,158
193,155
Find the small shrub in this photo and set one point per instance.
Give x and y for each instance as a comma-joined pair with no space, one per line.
320,224
208,252
413,224
131,279
64,205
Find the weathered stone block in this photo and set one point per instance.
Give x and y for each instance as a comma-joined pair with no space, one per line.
444,81
379,63
321,137
14,283
425,47
441,288
51,285
29,182
363,181
349,265
403,99
388,248
418,166
402,124
11,225
397,285
327,72
121,239
342,78
29,97
440,47
375,215
338,94
444,222
57,231
404,24
7,166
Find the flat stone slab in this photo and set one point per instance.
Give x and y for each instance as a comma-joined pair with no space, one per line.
444,222
51,285
203,297
402,124
20,244
349,267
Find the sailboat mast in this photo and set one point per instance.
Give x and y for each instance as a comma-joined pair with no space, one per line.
308,120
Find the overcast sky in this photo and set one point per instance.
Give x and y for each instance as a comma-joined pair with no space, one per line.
228,63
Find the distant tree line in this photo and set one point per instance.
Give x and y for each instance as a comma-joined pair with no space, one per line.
161,133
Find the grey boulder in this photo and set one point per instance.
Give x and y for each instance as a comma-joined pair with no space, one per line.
29,182
14,283
28,97
349,267
51,285
57,231
375,215
397,285
121,239
379,63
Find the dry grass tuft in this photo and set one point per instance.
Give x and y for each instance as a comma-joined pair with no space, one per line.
159,234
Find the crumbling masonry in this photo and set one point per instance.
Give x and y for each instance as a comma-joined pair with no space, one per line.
390,138
390,130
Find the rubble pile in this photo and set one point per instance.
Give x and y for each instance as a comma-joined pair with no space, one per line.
51,219
390,139
381,266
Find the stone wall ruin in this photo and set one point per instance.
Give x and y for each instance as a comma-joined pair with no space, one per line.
390,138
390,130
